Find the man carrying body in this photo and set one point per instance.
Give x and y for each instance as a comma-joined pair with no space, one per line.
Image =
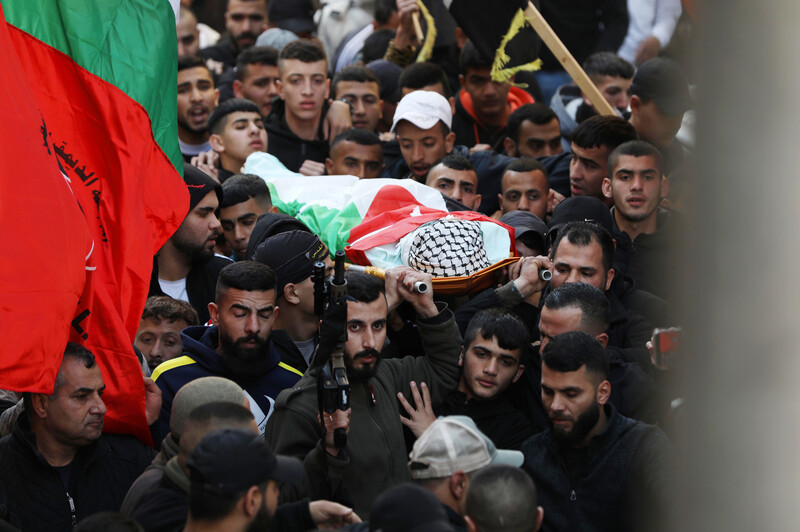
356,152
238,345
257,77
595,469
186,267
292,256
645,234
375,455
159,335
245,198
525,187
533,130
57,466
245,20
237,130
197,98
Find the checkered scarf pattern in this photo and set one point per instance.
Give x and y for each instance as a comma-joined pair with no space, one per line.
448,248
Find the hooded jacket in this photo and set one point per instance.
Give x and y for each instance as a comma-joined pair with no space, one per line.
625,481
200,284
284,144
375,457
33,496
200,359
470,131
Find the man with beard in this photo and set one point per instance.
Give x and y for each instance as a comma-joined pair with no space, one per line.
186,267
375,456
245,20
197,97
594,468
237,345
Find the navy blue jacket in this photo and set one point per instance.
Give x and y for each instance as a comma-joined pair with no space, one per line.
200,359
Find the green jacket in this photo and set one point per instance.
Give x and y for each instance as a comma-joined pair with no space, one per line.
375,457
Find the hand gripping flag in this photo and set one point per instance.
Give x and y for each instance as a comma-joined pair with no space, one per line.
90,188
499,30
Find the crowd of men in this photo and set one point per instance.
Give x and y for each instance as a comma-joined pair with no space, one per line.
544,401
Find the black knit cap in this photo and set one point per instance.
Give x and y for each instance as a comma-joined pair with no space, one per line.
199,184
408,508
292,255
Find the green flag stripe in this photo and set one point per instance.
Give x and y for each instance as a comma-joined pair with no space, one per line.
128,43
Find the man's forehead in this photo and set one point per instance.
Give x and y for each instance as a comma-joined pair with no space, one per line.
598,154
255,299
77,375
349,148
565,379
493,344
578,256
247,6
368,312
357,88
194,74
162,323
406,129
632,162
609,81
291,67
459,176
560,320
525,180
258,70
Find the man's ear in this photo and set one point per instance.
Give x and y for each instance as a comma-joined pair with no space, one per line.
452,105
510,146
603,392
539,517
607,187
636,103
237,89
252,501
39,404
217,144
551,198
609,278
290,294
500,201
329,165
327,88
449,140
471,526
664,187
216,97
520,371
213,312
461,358
603,339
459,482
477,202
279,86
380,105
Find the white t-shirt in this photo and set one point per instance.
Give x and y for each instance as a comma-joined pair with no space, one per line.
174,289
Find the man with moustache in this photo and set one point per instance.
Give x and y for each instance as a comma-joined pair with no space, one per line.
595,469
197,98
245,20
238,345
375,456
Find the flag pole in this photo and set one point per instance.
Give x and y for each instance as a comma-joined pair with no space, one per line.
564,57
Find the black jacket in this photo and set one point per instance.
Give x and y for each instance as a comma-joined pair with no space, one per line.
290,149
225,51
201,284
625,481
33,496
504,424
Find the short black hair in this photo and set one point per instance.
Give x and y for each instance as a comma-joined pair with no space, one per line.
357,73
247,275
217,120
241,187
584,233
470,57
536,113
303,50
71,351
610,64
569,351
256,55
635,148
191,61
502,498
362,137
525,164
592,302
376,44
420,75
456,162
608,131
498,323
363,287
384,10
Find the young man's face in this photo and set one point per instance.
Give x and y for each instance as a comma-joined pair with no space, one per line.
159,340
350,158
366,101
489,98
188,36
524,191
242,135
614,90
536,140
245,20
588,168
652,125
635,186
461,185
196,236
304,87
366,334
238,222
260,85
487,369
421,148
572,401
580,264
196,99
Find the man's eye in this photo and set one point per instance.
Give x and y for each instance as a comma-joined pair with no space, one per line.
445,186
248,223
429,145
353,327
512,196
533,197
227,227
537,145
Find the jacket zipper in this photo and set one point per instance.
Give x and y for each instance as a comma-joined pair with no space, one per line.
72,510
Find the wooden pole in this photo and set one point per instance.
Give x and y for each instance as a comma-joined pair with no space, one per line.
417,26
564,57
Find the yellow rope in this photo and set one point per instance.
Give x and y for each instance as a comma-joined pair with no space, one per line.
501,58
427,47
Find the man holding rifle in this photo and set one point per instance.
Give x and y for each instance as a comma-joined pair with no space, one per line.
375,456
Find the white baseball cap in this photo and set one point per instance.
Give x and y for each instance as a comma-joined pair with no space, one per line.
423,109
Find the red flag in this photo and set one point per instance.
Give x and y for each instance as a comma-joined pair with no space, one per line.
132,199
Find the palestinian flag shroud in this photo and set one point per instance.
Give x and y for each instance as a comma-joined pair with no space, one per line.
499,30
90,187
